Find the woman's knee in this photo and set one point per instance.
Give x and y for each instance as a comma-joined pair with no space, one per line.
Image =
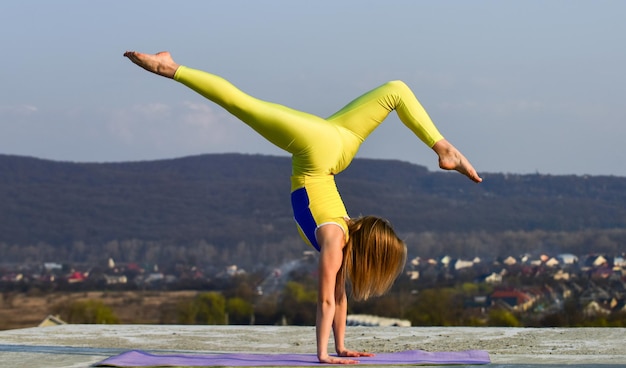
397,85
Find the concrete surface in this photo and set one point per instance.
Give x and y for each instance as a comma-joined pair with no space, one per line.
70,346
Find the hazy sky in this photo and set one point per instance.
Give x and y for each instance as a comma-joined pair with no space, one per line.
519,86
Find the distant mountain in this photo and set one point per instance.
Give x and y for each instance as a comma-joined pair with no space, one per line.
239,204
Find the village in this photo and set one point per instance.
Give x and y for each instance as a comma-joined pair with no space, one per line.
530,288
594,284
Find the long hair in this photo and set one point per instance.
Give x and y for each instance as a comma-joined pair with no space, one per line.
373,258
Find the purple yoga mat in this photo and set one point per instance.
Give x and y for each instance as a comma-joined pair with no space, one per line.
136,358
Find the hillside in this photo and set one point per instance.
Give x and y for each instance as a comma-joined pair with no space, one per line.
226,205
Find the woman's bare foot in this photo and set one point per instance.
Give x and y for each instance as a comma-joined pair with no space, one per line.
160,63
451,159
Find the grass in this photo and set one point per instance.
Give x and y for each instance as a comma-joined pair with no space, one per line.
21,310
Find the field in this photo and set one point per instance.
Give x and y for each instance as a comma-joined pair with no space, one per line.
20,310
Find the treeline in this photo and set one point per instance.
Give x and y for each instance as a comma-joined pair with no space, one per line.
235,208
296,305
254,256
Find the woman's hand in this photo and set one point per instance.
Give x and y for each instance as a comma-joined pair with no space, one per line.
336,360
330,237
354,354
345,354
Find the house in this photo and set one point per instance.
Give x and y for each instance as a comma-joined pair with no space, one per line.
154,277
567,258
413,275
460,264
510,261
52,266
601,273
115,279
618,305
594,309
51,321
599,261
375,321
494,278
517,299
561,275
552,262
76,276
13,277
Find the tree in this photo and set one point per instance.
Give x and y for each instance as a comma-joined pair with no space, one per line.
87,311
206,308
503,318
299,304
239,311
436,307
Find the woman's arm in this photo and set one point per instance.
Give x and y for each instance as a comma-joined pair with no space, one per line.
331,240
339,322
339,328
331,307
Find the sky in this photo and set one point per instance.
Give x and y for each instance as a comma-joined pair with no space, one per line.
520,87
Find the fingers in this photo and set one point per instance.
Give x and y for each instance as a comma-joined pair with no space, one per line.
346,354
131,54
332,360
355,354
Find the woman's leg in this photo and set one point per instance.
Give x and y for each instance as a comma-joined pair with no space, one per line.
298,132
365,113
287,128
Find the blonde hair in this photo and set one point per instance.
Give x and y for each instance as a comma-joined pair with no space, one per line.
373,258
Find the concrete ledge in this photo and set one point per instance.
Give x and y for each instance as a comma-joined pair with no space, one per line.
83,345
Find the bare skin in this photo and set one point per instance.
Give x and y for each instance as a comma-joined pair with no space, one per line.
450,158
331,308
160,63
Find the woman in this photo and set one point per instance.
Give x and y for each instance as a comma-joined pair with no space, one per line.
366,251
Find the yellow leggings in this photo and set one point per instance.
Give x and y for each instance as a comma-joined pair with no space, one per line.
319,146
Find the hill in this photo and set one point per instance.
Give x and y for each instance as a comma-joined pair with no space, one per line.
233,207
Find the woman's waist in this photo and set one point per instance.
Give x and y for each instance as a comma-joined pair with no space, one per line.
320,194
313,181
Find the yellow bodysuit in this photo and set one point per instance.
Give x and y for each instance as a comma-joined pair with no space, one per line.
320,148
